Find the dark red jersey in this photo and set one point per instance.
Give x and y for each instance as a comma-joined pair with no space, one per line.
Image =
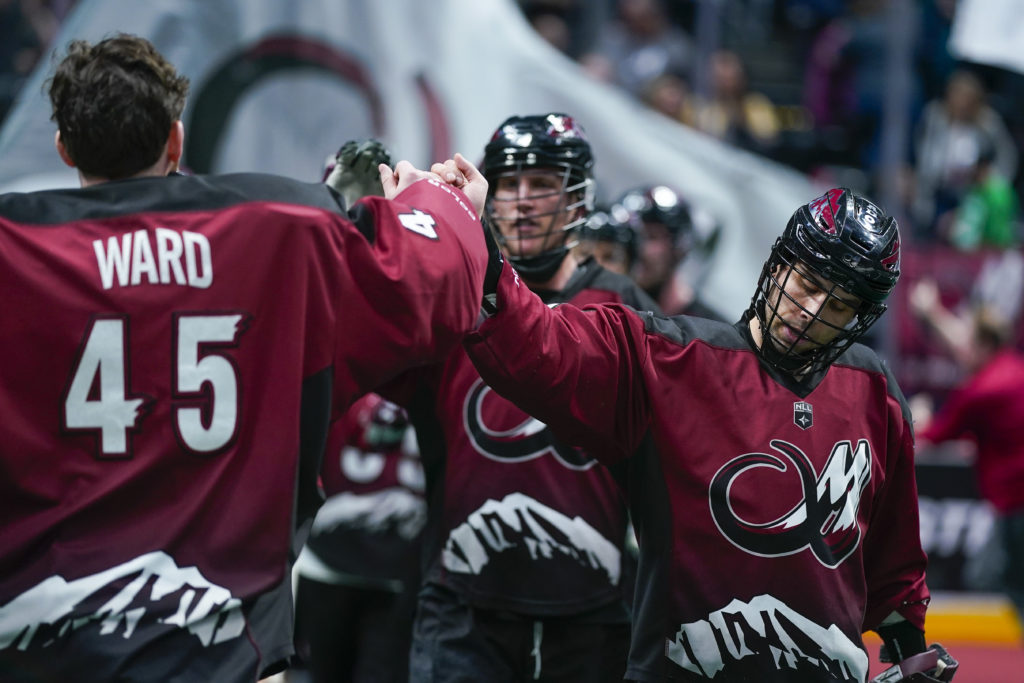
367,531
518,520
172,351
777,519
989,409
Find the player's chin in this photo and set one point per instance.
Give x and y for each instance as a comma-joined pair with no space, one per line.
790,344
530,246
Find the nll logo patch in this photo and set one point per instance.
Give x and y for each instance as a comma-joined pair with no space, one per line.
803,414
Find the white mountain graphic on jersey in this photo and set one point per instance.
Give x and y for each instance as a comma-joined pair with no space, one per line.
765,627
520,521
54,608
378,512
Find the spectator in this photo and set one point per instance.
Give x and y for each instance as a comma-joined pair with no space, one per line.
987,408
669,94
639,46
950,136
987,215
734,113
550,23
845,79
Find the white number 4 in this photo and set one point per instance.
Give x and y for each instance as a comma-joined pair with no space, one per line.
420,222
98,398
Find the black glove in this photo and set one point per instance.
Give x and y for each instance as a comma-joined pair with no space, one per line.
353,172
934,665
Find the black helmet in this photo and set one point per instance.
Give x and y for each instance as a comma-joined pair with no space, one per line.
845,239
554,142
606,226
661,204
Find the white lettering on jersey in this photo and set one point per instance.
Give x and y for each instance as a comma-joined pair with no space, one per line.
133,260
149,588
769,629
518,521
436,183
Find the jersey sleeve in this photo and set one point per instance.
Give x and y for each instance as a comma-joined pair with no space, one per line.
411,288
579,370
951,421
893,558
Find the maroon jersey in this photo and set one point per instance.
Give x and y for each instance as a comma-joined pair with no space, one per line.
518,520
777,520
172,351
989,408
367,530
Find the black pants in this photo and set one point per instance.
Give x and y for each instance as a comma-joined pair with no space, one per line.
348,634
454,643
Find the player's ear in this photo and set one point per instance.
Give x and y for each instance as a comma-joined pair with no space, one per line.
175,145
62,150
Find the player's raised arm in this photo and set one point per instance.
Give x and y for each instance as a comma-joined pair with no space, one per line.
418,260
578,370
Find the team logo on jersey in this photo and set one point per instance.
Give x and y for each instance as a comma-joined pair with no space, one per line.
768,629
520,526
803,415
823,520
528,439
149,591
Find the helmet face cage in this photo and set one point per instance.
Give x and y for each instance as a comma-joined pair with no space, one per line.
550,143
573,194
602,226
772,290
840,238
661,204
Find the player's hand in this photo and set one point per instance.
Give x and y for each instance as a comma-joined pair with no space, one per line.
449,172
404,174
461,173
934,665
353,170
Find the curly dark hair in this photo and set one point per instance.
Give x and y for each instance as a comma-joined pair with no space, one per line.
114,103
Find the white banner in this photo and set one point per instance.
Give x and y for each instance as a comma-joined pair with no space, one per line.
277,86
989,32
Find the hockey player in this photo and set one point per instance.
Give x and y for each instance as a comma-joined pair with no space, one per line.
173,349
779,519
523,551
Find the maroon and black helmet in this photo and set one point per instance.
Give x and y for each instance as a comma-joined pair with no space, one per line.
846,239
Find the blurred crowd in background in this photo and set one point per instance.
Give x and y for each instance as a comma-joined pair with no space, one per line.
805,82
858,93
810,83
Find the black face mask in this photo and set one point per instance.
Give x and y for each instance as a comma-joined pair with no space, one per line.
761,308
539,268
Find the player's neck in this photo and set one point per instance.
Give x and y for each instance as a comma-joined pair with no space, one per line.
556,282
162,167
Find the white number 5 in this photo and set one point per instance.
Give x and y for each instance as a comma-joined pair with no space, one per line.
97,397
